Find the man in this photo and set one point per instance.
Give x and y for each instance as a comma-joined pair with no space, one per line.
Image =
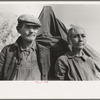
25,59
75,65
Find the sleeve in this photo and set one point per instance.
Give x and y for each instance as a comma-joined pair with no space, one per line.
96,67
60,69
2,61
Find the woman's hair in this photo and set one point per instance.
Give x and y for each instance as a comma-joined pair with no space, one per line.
73,29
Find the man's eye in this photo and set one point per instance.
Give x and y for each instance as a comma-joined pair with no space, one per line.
27,26
35,28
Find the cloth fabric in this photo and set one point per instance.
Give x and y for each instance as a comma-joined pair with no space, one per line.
51,26
76,68
10,60
26,51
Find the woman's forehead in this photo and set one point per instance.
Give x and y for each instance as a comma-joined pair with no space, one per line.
78,31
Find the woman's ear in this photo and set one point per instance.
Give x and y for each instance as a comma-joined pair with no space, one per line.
69,40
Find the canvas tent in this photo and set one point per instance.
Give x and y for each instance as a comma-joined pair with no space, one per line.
53,34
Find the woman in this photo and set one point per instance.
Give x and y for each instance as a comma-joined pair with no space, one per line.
75,65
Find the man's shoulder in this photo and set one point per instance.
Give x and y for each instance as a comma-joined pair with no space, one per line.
10,47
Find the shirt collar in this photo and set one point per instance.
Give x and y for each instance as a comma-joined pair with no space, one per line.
84,56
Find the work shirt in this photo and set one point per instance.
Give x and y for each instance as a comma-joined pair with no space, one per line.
28,69
76,68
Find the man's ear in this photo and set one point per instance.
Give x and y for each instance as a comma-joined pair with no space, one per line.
19,26
17,29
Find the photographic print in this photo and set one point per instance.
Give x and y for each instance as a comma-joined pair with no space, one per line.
51,48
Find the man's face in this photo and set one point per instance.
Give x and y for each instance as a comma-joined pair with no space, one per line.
28,32
78,39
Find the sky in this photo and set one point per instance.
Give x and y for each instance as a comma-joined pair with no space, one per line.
87,15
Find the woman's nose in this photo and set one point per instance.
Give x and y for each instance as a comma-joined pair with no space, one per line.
80,38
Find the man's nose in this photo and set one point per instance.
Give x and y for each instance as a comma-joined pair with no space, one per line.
31,30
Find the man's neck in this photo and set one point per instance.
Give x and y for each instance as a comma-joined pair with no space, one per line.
27,44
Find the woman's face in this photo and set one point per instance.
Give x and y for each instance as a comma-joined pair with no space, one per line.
78,38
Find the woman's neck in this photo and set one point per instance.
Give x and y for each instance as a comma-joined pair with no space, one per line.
76,52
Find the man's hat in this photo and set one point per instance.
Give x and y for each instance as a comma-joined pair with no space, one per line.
29,20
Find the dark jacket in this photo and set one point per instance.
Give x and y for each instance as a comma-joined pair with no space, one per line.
10,58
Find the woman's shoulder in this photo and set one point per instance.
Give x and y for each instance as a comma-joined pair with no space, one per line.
63,57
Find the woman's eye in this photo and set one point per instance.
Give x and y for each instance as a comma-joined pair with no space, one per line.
75,36
83,36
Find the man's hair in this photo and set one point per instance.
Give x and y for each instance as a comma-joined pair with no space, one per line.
19,25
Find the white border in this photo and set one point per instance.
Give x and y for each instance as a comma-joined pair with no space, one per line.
50,90
54,2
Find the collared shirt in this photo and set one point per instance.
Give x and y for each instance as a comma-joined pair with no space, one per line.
28,69
26,51
76,68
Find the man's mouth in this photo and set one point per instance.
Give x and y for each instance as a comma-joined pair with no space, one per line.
31,35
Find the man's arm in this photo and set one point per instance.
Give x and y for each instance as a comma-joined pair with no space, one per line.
2,61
